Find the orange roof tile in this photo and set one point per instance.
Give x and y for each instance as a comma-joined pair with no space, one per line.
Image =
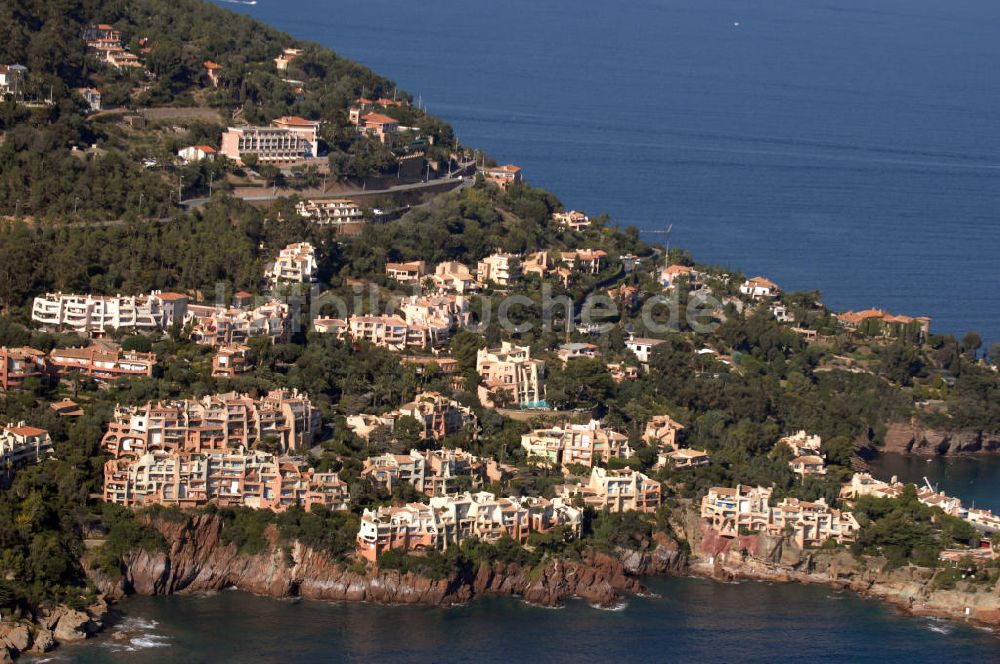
379,119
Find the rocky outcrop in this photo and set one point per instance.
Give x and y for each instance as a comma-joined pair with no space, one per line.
198,559
49,628
911,589
912,438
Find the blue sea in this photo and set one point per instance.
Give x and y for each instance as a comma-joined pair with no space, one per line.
693,620
850,146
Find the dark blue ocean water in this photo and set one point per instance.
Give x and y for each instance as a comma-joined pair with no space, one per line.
847,145
692,621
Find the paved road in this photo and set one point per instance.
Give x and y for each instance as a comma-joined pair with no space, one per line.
413,186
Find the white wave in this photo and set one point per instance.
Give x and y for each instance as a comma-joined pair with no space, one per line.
150,641
620,606
135,624
940,627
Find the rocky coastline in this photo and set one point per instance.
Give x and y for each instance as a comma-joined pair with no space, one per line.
197,559
910,589
913,438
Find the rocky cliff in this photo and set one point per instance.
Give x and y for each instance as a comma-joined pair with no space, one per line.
912,438
198,559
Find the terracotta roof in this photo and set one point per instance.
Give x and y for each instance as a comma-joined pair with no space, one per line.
379,119
762,281
212,65
207,149
171,296
27,431
296,120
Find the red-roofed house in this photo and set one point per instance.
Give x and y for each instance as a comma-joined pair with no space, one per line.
196,153
381,126
21,443
504,175
758,287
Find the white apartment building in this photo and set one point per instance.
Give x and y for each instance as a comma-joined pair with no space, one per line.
221,326
271,145
93,314
20,444
296,264
330,211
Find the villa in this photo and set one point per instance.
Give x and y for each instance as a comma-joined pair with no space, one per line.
21,444
511,372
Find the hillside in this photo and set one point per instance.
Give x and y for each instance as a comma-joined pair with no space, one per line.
90,206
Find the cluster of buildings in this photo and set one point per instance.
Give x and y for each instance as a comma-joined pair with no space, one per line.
434,472
501,269
438,416
370,122
448,520
106,42
616,491
237,477
94,315
286,140
223,448
22,444
807,456
295,264
282,419
863,484
511,375
875,322
102,362
746,510
423,321
582,444
661,431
